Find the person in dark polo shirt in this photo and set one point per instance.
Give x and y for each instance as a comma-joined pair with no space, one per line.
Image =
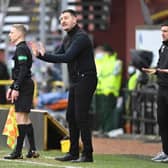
162,99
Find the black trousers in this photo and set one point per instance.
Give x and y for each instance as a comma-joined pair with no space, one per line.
163,117
105,108
78,116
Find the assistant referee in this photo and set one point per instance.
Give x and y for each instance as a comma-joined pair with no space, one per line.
21,91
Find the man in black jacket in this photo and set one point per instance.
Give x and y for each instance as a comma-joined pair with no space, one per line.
162,74
77,52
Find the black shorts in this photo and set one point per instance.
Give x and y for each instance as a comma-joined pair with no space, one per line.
25,99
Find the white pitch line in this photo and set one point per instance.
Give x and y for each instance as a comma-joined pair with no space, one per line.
50,157
30,162
38,163
1,151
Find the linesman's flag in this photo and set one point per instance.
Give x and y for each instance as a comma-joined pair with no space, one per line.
10,128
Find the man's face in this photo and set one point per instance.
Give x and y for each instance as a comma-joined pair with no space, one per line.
14,35
164,30
67,21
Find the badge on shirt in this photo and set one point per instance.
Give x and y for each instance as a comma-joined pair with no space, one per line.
22,58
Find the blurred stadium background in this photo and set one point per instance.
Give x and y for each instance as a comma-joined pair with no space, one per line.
130,27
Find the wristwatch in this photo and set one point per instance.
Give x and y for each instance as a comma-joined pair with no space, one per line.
16,87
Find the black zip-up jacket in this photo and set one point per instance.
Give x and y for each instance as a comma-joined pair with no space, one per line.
163,64
22,65
77,51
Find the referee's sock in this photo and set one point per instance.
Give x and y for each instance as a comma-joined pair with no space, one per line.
30,136
20,138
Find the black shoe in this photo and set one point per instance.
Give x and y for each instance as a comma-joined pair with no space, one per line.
83,159
14,155
32,154
67,157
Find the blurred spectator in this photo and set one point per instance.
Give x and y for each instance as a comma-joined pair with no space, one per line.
132,84
133,75
109,69
4,75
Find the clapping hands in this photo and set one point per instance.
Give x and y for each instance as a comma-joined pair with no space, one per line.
37,48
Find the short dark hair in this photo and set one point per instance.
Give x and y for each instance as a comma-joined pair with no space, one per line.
71,11
165,23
